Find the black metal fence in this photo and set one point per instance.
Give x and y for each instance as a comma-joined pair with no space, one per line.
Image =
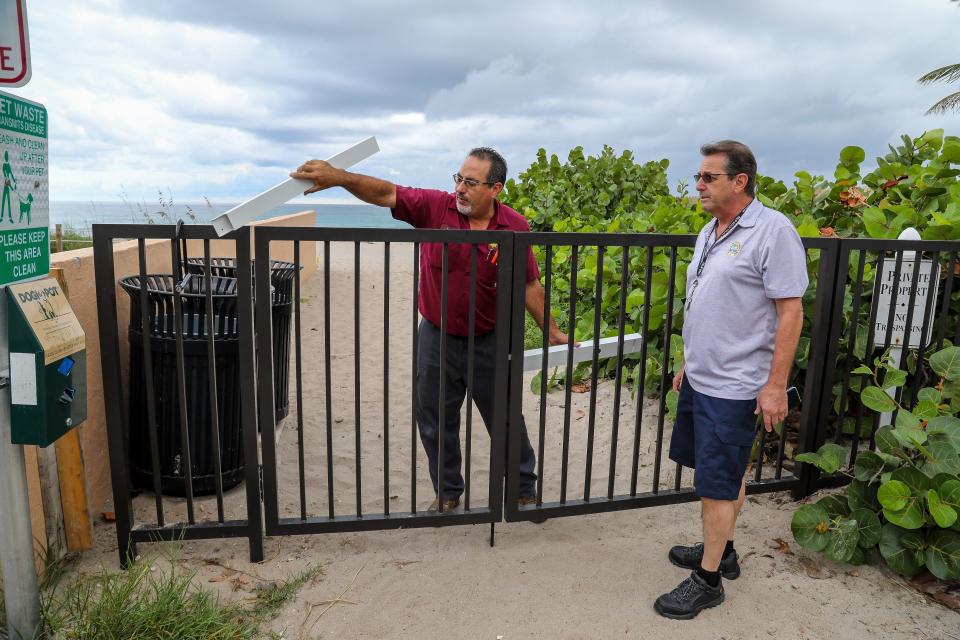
352,450
329,453
893,300
178,414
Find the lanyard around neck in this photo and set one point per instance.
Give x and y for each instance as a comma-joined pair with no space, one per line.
713,232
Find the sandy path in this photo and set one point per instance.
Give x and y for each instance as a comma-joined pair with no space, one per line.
579,577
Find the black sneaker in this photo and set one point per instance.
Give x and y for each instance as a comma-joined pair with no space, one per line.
690,558
691,596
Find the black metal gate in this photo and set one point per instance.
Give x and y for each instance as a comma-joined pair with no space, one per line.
319,513
627,264
627,438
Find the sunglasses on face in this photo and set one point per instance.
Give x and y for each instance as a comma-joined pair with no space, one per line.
470,182
710,177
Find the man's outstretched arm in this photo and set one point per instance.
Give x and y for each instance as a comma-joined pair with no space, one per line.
367,188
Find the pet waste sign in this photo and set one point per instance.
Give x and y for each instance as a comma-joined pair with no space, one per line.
24,202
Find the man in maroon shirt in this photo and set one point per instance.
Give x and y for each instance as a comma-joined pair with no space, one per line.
473,206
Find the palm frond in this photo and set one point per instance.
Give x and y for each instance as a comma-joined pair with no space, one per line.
949,73
949,103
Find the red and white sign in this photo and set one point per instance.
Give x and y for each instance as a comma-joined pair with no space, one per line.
14,44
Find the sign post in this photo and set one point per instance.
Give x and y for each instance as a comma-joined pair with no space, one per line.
901,336
15,67
24,255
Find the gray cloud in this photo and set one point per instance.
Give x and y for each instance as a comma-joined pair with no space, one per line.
223,98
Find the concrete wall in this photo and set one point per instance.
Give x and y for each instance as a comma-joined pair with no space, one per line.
78,273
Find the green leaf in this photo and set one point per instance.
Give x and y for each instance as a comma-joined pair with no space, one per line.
929,394
828,458
877,399
910,517
875,222
894,378
535,383
910,437
946,426
917,481
672,398
868,525
944,458
835,505
833,455
810,525
862,370
859,555
943,514
868,466
926,410
852,155
842,541
860,495
943,554
907,420
894,495
898,548
886,441
946,363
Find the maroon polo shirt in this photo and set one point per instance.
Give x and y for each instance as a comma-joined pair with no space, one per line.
433,209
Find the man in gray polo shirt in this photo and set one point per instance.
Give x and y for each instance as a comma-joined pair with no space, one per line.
742,321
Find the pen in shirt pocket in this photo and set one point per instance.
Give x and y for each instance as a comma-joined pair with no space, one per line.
493,253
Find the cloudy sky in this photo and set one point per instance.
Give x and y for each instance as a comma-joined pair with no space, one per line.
222,99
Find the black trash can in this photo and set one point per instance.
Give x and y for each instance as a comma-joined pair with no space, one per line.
162,340
281,279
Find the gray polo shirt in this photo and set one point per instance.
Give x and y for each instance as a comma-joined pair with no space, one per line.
730,317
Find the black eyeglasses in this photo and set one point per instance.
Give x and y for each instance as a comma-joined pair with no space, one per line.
710,177
470,182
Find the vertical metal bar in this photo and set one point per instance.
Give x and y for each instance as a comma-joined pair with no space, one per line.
356,375
665,369
508,377
212,381
932,285
945,304
105,281
641,382
595,364
908,329
871,324
442,392
327,357
298,371
854,325
761,439
247,367
413,376
261,376
147,363
547,285
571,330
187,460
621,321
386,378
833,259
471,340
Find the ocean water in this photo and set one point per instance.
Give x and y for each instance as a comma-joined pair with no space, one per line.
80,215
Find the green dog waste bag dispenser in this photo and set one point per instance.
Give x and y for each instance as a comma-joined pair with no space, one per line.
48,363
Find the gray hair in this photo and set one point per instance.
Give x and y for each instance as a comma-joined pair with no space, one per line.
498,166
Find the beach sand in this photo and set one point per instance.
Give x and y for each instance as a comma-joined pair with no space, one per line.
591,576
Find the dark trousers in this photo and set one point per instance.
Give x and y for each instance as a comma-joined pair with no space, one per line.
455,384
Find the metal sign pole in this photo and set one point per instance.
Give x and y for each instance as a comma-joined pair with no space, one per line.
21,595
